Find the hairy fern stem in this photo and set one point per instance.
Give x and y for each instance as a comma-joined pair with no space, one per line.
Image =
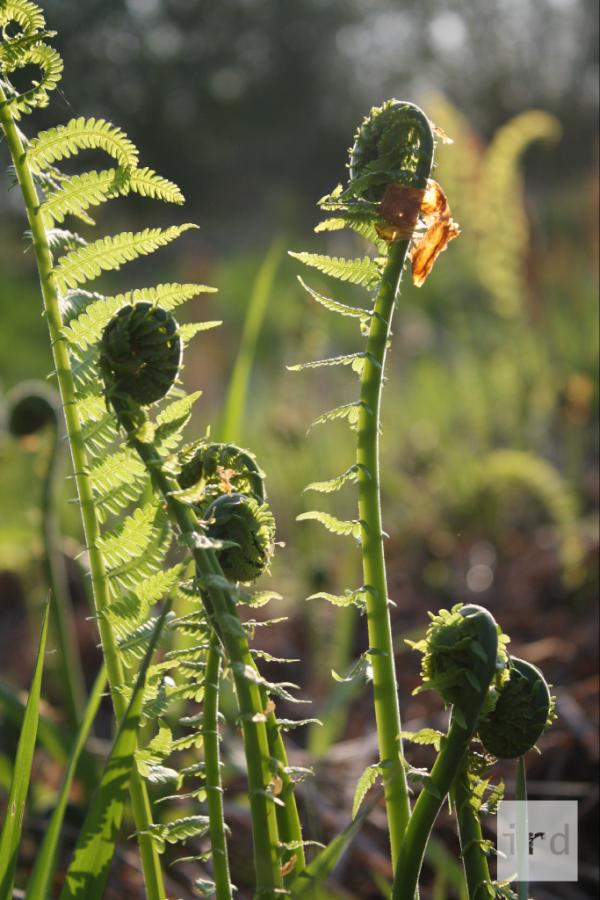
224,619
139,797
477,871
387,708
212,759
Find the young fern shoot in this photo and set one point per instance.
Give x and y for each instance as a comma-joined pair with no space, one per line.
114,356
388,196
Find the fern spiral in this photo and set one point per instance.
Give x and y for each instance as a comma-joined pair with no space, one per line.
216,467
140,353
385,200
462,656
249,527
522,712
393,145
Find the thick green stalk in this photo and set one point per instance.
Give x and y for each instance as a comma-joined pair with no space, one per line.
426,809
224,618
139,797
475,862
61,610
387,709
214,789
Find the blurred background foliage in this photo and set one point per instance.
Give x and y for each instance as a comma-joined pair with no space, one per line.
490,412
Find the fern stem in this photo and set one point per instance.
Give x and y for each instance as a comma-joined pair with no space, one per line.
224,618
214,790
288,820
425,812
387,708
139,797
475,862
60,608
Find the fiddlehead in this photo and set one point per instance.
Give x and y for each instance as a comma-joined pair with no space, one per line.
463,657
231,537
217,468
522,712
140,354
128,557
388,199
249,527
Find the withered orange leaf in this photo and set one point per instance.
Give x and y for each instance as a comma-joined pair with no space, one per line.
399,208
441,229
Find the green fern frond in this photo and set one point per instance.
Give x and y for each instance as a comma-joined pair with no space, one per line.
355,312
348,598
129,609
78,134
137,641
179,831
362,270
99,434
61,241
171,421
50,63
362,225
426,736
87,328
110,253
356,360
191,329
136,548
334,484
26,14
117,481
11,51
80,192
331,523
348,411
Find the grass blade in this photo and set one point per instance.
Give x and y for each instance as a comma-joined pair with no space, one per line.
235,402
309,883
40,882
88,872
13,824
56,739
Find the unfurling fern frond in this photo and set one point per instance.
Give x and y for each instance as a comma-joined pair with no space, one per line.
27,15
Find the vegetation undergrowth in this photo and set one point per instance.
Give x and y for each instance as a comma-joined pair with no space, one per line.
177,533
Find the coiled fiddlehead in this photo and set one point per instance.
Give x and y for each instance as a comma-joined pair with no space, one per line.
128,557
231,539
463,657
385,199
393,146
521,713
215,468
140,353
249,527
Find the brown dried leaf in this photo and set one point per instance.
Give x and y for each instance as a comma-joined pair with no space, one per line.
399,209
441,229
